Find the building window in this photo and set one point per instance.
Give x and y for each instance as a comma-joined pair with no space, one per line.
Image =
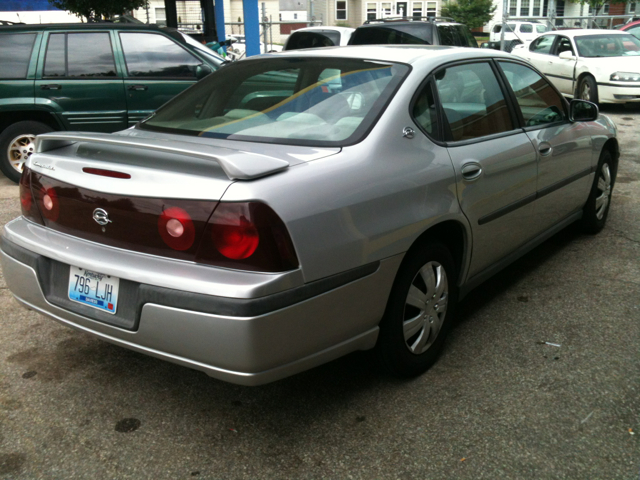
432,9
536,8
513,8
295,16
341,10
605,9
386,10
524,8
417,10
372,11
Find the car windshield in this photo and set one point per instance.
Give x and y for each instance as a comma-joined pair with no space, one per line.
607,45
300,101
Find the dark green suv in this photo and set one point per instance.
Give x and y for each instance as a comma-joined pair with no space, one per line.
88,77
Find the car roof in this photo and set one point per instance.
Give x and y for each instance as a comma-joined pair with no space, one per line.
630,24
581,32
411,54
78,26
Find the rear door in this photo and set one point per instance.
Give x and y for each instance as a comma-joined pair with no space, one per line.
77,78
494,161
156,69
17,68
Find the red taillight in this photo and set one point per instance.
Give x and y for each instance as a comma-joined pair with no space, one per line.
49,204
29,209
247,236
232,232
176,228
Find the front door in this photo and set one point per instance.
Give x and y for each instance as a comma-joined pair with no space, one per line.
561,70
78,80
156,70
401,9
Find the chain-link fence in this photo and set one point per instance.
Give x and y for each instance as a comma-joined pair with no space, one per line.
588,21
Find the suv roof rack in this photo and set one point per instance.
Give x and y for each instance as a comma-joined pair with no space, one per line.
409,19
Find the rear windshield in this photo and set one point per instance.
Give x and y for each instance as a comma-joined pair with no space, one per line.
15,54
416,33
298,101
299,40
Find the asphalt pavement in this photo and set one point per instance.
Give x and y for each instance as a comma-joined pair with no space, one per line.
500,403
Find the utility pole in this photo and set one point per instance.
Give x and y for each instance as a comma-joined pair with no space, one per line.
505,15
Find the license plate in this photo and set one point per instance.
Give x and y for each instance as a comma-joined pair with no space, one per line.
94,289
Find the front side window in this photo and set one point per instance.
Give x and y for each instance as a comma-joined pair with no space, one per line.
296,101
542,44
79,55
472,101
153,55
341,10
539,103
15,53
608,45
563,45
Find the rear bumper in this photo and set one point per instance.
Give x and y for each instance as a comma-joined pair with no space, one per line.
271,339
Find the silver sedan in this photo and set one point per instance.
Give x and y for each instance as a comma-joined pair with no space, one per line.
293,208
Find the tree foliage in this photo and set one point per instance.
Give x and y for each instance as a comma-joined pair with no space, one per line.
96,9
473,13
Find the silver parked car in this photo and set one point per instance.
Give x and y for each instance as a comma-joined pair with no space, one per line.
295,207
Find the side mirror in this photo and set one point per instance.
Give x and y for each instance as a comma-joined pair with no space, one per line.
566,56
202,71
583,111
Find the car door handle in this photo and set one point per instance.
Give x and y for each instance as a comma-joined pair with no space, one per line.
545,149
51,86
471,171
137,87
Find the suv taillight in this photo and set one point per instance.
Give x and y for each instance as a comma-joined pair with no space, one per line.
247,236
27,202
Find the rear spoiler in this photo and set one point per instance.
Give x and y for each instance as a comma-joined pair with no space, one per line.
237,165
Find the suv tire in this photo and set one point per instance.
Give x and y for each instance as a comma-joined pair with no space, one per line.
17,145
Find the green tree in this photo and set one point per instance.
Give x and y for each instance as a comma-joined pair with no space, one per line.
96,9
472,13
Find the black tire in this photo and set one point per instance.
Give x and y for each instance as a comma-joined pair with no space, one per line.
394,351
587,89
18,134
596,209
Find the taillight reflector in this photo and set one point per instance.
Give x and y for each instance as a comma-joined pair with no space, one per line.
176,228
105,173
50,205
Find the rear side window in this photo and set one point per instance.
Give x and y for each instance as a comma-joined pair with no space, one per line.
472,101
526,28
152,55
424,111
468,40
15,53
448,35
542,44
79,55
299,40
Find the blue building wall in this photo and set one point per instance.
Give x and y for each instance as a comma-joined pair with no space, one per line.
25,5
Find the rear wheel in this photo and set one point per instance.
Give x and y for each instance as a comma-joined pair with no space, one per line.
17,144
588,89
419,311
596,209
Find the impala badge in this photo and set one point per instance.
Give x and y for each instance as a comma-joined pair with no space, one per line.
101,216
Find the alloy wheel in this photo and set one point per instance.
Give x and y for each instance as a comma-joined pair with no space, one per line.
425,307
20,149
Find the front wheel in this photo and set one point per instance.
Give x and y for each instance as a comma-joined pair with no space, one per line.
596,209
419,312
17,144
588,89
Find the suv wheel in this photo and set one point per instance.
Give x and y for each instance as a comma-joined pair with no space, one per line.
17,144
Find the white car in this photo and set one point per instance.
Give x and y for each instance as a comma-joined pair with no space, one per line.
523,31
238,48
322,36
602,66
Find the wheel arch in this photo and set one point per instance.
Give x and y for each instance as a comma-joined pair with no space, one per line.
455,236
614,148
9,118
